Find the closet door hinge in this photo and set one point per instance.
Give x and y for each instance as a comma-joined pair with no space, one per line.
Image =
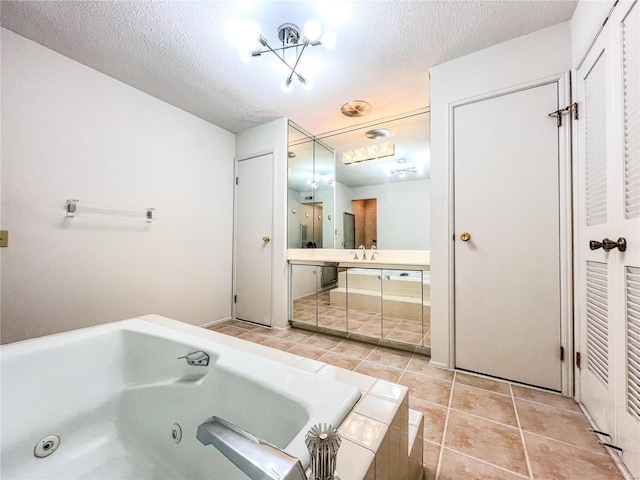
236,180
573,109
578,360
235,299
562,354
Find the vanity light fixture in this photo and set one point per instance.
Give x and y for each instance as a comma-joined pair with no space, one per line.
369,153
402,169
289,35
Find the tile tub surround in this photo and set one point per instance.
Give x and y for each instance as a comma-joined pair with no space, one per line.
465,415
375,434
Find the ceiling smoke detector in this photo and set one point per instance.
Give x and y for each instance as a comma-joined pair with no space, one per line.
377,133
356,108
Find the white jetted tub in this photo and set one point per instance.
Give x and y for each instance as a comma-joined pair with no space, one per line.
117,397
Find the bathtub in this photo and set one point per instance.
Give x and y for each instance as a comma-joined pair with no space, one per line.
117,397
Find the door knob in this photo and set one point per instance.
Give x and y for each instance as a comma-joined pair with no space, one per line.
620,244
266,239
465,236
607,244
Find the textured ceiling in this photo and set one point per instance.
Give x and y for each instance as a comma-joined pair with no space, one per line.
185,52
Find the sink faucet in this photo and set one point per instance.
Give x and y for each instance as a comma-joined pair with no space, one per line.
256,458
373,252
364,252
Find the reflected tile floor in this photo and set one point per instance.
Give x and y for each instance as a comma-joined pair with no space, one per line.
360,321
474,427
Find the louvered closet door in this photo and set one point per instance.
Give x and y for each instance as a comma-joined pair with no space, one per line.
608,283
626,40
594,308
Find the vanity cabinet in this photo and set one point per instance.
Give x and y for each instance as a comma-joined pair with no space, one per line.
386,306
309,294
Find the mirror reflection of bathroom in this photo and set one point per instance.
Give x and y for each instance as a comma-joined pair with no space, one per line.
310,191
379,203
399,183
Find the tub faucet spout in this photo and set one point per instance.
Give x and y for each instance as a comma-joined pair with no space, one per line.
255,457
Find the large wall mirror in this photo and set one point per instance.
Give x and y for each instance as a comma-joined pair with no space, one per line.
368,185
310,191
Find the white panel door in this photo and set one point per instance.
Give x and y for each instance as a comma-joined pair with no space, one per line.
507,274
253,251
608,277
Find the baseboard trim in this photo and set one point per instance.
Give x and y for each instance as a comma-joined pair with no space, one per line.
439,365
215,322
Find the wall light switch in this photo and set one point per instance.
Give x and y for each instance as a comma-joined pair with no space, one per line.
4,238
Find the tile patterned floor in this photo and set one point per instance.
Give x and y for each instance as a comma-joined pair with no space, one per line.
474,428
360,321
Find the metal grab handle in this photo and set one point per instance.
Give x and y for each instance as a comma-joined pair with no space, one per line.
465,236
607,244
266,239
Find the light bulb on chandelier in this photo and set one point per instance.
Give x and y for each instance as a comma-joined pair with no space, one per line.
289,35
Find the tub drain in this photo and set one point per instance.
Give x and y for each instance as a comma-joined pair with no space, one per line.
46,446
176,433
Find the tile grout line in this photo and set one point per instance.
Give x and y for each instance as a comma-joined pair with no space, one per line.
446,426
485,462
487,390
604,453
524,445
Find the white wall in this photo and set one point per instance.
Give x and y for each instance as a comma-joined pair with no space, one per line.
272,137
538,55
71,132
327,199
343,204
403,210
403,213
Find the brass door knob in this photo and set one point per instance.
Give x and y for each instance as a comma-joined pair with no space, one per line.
266,239
465,236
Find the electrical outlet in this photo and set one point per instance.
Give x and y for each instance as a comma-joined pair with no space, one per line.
4,238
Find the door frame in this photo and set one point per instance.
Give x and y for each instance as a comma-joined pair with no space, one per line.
274,236
565,195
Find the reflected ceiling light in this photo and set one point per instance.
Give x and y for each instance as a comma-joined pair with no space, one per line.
355,108
369,153
319,179
377,133
289,35
402,169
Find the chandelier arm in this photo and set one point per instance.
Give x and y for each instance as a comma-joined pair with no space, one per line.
293,70
281,58
274,50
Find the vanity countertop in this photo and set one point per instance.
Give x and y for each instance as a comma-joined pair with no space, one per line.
418,259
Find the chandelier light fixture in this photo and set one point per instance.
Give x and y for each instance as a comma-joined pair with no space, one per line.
369,153
290,38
